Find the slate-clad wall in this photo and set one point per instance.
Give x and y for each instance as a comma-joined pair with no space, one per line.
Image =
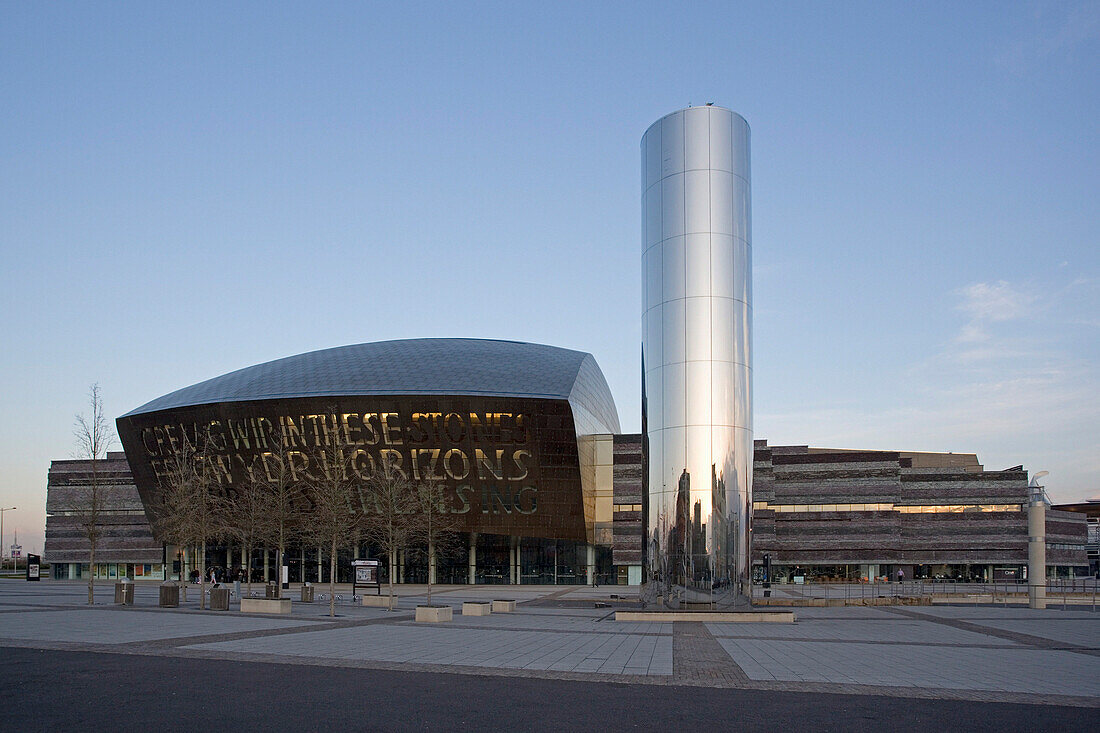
627,482
797,475
127,536
1066,528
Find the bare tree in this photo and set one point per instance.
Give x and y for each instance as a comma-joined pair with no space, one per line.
190,506
280,496
389,519
434,526
334,521
245,519
93,439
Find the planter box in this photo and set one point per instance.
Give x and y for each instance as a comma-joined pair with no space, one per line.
477,608
380,602
434,614
265,605
124,594
170,596
219,599
504,606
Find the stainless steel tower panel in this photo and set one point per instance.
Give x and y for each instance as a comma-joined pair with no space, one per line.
696,358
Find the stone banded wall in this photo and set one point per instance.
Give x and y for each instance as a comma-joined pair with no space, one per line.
627,479
1066,528
797,475
127,536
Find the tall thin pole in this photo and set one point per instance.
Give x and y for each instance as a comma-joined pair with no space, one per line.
11,508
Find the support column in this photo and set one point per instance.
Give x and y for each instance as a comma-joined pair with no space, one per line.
513,561
228,557
401,565
591,564
1036,550
473,558
320,566
267,567
393,568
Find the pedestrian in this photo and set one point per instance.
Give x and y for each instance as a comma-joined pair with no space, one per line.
901,575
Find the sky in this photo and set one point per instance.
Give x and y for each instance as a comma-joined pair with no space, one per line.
188,189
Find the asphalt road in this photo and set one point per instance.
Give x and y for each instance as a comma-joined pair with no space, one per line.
45,690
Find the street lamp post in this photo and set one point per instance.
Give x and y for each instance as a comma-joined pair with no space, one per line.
11,508
1036,543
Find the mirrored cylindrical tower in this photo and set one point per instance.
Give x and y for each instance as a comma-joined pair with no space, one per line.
696,358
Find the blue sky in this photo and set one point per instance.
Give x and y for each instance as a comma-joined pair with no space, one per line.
186,190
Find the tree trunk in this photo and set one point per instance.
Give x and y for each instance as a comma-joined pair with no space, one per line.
431,551
91,576
248,568
431,558
180,580
202,577
279,572
332,580
391,558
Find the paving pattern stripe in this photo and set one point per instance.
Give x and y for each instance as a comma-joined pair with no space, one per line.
696,655
196,611
802,640
486,627
1039,642
177,641
919,693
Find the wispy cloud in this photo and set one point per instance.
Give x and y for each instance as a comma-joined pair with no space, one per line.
1013,382
1062,31
997,301
985,304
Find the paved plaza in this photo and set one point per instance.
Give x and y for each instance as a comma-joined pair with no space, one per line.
1002,654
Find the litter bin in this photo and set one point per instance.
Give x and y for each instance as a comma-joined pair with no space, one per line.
124,593
307,593
219,599
169,595
272,590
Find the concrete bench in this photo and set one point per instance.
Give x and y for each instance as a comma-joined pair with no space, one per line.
388,602
265,605
504,606
477,608
434,614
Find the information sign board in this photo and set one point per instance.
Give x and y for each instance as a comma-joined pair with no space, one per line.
34,564
366,575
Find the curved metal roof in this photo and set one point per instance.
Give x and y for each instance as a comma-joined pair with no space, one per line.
414,366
